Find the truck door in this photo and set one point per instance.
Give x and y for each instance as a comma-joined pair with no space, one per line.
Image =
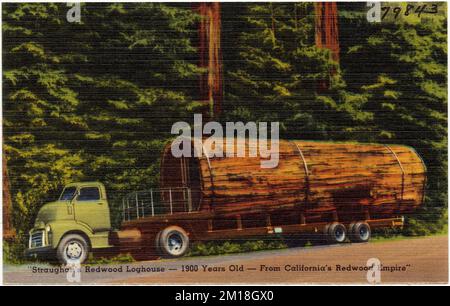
92,209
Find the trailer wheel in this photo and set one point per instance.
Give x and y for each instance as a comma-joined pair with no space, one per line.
72,248
336,233
360,232
350,228
173,242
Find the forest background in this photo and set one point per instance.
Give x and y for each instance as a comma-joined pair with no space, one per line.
95,100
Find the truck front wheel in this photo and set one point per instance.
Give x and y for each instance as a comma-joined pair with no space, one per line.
73,248
173,242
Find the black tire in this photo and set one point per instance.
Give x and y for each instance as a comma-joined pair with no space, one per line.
173,242
72,248
360,232
350,228
158,250
336,233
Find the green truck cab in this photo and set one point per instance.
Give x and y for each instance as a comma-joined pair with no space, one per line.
70,227
78,223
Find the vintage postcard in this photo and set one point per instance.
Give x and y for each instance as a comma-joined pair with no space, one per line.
224,143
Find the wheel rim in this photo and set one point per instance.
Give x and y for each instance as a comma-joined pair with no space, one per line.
175,243
364,233
339,233
74,250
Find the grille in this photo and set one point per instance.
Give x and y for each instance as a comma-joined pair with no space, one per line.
37,239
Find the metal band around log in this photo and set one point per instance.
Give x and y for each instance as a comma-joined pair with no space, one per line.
305,166
425,175
401,167
211,175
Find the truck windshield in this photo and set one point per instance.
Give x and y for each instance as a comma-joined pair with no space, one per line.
68,194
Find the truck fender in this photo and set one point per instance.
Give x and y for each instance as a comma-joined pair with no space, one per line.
61,229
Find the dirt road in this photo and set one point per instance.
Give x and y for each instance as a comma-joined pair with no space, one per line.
418,260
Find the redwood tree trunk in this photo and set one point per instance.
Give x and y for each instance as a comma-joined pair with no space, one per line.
211,90
327,34
8,232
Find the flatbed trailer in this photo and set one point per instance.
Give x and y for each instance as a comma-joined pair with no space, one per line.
139,232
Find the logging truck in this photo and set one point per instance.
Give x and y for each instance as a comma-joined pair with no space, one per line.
334,191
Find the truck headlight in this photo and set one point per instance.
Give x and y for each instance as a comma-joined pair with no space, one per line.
49,236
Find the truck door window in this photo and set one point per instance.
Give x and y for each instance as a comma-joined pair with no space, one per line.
68,194
89,194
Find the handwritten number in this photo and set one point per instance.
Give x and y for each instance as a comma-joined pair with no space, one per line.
409,7
397,11
434,9
386,9
420,10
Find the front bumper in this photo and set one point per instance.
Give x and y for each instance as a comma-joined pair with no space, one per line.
47,252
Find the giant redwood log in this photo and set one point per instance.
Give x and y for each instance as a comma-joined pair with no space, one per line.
317,178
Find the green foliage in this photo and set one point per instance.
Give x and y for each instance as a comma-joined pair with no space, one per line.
274,69
230,247
406,95
94,100
13,252
119,259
